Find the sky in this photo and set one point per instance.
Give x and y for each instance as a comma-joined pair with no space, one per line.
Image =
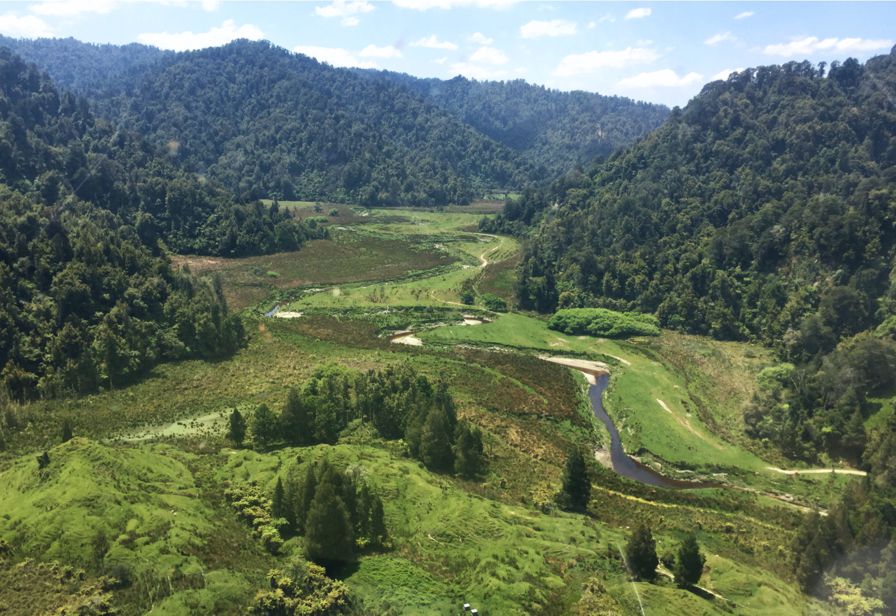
661,52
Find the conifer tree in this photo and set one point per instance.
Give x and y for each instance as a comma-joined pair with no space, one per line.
576,488
363,512
689,563
304,497
640,554
278,502
237,430
378,533
468,451
66,430
436,439
297,419
265,426
329,537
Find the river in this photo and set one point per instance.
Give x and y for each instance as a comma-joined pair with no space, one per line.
622,463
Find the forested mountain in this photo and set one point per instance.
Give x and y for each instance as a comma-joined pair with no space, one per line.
764,206
86,69
765,209
52,146
553,130
87,296
262,122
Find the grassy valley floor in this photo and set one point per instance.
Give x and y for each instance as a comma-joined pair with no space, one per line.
139,493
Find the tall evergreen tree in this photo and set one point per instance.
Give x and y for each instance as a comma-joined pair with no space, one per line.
436,439
297,419
689,563
576,488
265,426
468,451
66,430
640,554
278,502
237,429
329,537
378,532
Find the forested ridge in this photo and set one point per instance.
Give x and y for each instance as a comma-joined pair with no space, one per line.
553,130
764,210
265,122
764,207
88,296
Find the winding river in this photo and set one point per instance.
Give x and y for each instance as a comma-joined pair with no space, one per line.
622,463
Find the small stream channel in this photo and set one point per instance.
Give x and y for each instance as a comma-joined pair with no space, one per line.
622,463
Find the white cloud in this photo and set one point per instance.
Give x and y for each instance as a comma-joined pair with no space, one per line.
479,38
210,6
553,28
811,45
477,71
638,13
346,10
665,78
578,64
333,55
387,52
220,35
27,26
432,42
591,25
721,37
725,73
744,15
426,5
489,55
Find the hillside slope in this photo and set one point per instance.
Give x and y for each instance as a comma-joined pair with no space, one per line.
263,121
767,201
552,130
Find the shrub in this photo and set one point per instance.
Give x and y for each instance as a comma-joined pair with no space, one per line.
604,322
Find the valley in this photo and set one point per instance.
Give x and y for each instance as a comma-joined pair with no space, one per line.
513,553
284,331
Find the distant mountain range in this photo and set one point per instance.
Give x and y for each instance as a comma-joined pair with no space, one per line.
262,122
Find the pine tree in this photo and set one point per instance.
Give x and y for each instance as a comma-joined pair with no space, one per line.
304,497
278,502
66,431
297,419
576,488
640,554
328,530
364,510
689,563
378,533
468,451
43,460
264,426
436,440
237,430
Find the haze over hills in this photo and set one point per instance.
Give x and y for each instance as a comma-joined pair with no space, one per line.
263,121
554,131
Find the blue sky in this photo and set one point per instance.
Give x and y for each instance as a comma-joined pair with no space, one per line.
660,52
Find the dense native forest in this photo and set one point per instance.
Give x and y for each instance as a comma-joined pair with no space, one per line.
88,211
262,121
765,210
554,131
